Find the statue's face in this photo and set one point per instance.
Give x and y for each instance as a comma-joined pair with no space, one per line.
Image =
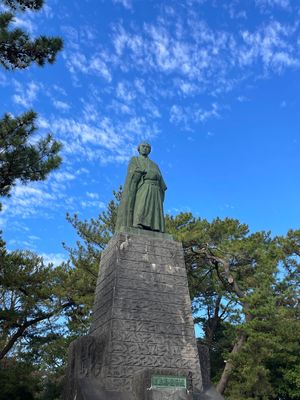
144,149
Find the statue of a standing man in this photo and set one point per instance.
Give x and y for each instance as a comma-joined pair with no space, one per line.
141,205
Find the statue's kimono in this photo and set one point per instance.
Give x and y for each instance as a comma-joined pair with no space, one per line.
141,205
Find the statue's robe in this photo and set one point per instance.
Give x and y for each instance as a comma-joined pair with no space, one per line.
141,205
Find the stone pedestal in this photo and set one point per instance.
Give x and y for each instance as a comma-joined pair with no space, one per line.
142,325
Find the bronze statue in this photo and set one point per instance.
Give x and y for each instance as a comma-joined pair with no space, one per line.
141,205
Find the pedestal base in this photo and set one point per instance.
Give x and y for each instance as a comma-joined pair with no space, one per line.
142,325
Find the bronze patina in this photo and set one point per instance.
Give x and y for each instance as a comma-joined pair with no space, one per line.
141,205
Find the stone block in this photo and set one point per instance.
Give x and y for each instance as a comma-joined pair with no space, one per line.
142,325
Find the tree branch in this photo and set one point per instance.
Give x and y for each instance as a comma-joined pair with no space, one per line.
20,331
233,286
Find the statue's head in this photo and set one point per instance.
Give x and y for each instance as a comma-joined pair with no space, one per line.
144,148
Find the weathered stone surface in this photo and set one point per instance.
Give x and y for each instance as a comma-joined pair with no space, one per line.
86,360
142,325
203,352
149,312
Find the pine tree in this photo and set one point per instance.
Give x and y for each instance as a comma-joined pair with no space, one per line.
244,291
17,49
32,293
19,158
243,286
85,259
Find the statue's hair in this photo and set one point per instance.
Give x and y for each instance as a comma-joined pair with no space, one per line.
144,143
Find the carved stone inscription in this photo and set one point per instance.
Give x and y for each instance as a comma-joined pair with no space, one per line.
142,299
91,356
156,349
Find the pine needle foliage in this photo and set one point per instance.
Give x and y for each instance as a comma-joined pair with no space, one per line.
17,49
21,158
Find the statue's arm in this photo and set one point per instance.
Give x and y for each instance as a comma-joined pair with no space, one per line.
125,209
163,187
134,171
162,184
134,176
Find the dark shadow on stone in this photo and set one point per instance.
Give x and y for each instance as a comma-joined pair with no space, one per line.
210,393
90,389
203,352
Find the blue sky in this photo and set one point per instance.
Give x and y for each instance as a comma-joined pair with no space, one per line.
213,85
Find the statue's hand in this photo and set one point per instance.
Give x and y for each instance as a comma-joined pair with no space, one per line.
141,172
137,175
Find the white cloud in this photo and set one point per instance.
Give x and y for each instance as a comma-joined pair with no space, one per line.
235,11
140,85
33,237
273,3
144,68
124,93
92,195
203,115
90,112
72,36
63,176
76,62
99,66
3,79
125,3
177,114
44,198
43,122
26,192
25,200
23,22
79,62
61,105
119,107
283,59
92,204
104,140
26,94
2,222
242,99
195,58
187,88
123,40
83,170
148,67
186,115
54,258
102,134
13,243
151,108
47,10
59,89
270,45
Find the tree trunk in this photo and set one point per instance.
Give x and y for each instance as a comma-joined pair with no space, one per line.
230,283
12,341
223,382
213,323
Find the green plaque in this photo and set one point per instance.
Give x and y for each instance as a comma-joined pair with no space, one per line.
168,382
